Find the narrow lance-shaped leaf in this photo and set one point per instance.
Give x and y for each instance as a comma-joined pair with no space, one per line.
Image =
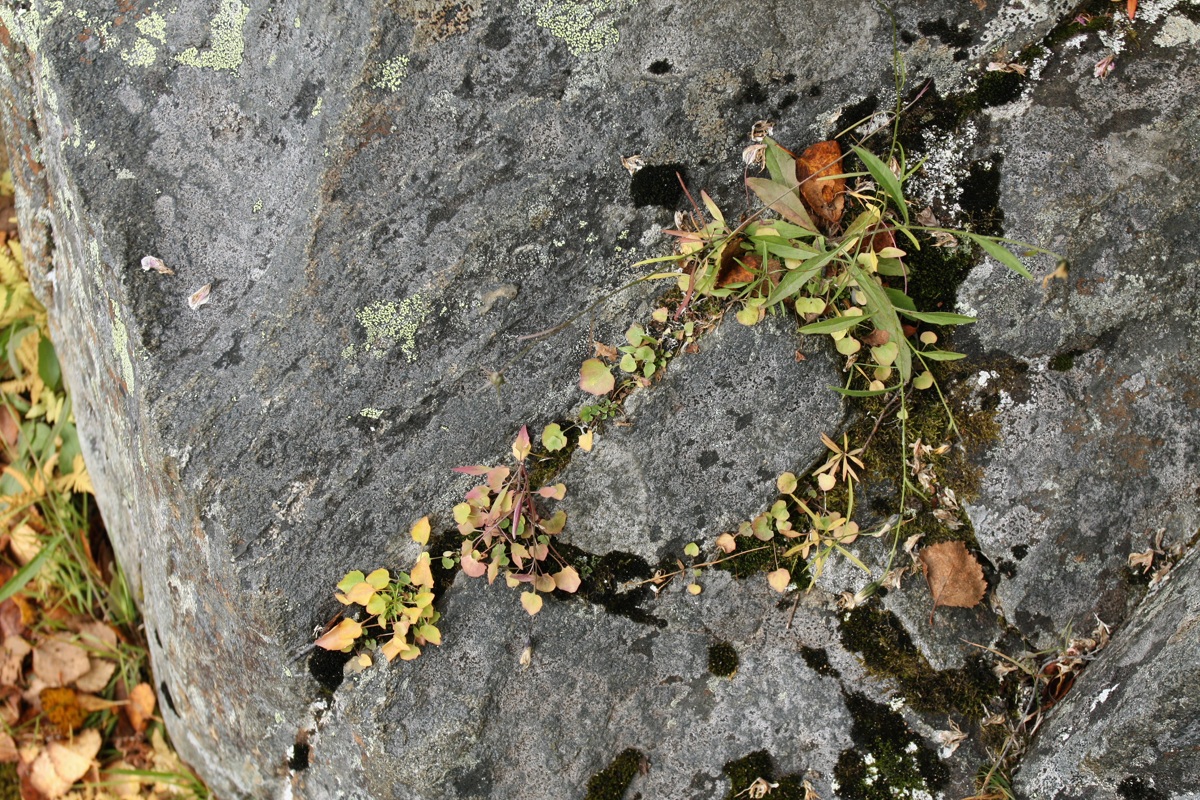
521,446
885,317
795,279
938,317
783,200
1001,254
834,325
781,165
886,179
713,210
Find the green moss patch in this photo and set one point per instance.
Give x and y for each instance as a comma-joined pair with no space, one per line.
888,651
722,659
889,759
745,771
611,782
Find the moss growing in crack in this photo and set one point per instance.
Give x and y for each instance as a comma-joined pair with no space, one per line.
999,88
722,659
888,651
611,782
889,759
935,274
758,765
818,661
616,580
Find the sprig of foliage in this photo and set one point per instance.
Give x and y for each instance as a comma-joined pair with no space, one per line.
400,608
505,533
845,280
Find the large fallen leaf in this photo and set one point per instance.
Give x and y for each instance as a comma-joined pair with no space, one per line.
57,767
58,662
955,577
824,196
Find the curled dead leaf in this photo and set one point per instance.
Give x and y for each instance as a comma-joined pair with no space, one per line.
824,196
11,658
141,706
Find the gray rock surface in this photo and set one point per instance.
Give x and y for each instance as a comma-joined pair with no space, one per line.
706,445
1129,727
384,197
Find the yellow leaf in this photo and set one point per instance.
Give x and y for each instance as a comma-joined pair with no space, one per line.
360,593
421,574
585,441
420,531
342,637
430,634
394,646
694,588
410,653
779,579
532,602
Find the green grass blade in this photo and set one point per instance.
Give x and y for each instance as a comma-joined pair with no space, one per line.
833,325
940,355
864,392
28,572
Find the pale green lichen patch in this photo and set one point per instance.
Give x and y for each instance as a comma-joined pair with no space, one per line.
258,206
391,74
142,54
228,43
585,25
28,24
371,413
120,335
316,112
153,26
387,324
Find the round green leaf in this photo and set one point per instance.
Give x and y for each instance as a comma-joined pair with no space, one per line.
596,378
553,438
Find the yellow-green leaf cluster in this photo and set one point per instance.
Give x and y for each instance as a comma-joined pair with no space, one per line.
400,607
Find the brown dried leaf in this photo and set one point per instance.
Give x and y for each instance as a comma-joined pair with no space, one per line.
58,662
824,198
606,351
8,749
11,657
955,577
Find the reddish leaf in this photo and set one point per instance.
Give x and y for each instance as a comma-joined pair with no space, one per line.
472,567
824,197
